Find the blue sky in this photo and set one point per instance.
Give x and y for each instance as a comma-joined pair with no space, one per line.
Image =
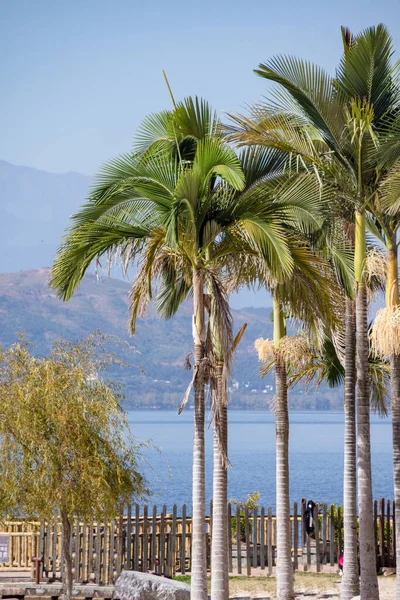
79,75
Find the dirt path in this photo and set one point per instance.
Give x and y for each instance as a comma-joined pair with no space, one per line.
308,586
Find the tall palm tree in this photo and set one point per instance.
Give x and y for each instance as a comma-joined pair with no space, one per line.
336,122
385,333
177,214
309,295
140,204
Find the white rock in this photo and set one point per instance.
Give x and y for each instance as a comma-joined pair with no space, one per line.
356,598
132,585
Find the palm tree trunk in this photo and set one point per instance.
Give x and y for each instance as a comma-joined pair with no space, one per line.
395,386
350,582
67,574
198,589
392,303
369,581
219,549
284,571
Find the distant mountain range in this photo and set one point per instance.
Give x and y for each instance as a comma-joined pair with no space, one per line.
34,211
157,377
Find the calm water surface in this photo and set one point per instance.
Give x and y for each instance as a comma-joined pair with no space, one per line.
316,455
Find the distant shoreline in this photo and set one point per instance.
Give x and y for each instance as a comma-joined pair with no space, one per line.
233,408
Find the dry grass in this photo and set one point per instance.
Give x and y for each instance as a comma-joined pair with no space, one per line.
315,583
308,586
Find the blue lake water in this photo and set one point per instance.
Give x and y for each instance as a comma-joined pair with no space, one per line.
316,455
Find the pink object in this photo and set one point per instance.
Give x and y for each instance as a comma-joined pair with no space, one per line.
341,561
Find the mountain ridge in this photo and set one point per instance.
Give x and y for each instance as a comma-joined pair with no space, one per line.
158,379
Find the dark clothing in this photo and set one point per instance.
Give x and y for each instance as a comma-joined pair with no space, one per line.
308,517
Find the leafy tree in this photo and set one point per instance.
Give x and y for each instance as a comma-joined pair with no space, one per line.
65,446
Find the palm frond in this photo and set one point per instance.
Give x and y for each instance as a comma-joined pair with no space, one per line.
366,71
313,90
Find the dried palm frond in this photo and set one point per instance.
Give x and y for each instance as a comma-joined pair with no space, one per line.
139,295
266,349
221,330
385,332
294,349
375,271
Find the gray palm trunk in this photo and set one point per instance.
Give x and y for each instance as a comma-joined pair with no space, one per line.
198,589
392,304
369,581
350,582
395,386
284,573
219,546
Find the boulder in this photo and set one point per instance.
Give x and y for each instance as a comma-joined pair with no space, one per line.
132,585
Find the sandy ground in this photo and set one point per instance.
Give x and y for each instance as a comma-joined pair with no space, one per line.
308,586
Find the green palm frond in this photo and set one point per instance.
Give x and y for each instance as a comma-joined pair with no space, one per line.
324,367
313,91
379,373
390,191
214,159
312,294
155,129
259,163
81,247
366,71
284,133
196,119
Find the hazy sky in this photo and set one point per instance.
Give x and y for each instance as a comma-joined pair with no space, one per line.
77,76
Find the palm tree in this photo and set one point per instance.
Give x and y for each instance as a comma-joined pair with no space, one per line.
385,334
141,203
178,215
334,124
304,296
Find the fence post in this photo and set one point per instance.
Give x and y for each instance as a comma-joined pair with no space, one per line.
340,541
247,530
77,549
162,541
255,537
98,554
238,540
324,534
317,548
137,539
128,555
153,561
376,528
84,576
388,544
230,565
270,557
183,541
173,545
262,538
382,532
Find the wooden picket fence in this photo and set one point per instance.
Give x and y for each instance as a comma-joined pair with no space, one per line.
144,539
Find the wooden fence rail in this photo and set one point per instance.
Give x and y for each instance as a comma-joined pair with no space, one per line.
146,539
